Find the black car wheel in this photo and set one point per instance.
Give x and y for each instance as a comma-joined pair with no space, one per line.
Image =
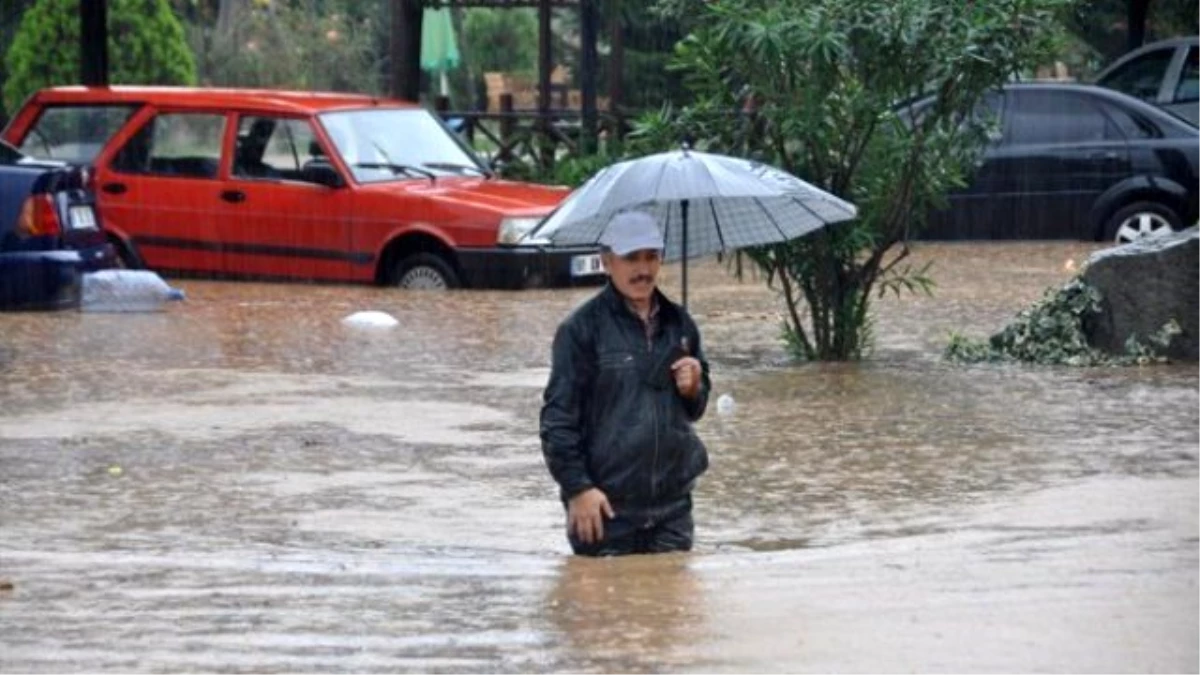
126,258
426,272
1139,221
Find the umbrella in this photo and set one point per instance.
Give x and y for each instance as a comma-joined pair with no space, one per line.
439,49
704,203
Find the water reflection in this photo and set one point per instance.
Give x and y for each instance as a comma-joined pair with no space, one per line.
632,614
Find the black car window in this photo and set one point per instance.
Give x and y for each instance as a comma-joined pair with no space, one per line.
175,144
75,133
989,110
1131,124
1188,89
1055,117
1142,77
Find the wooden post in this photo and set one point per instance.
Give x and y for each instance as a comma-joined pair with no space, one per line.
545,66
588,64
507,126
545,61
1137,10
616,70
441,105
93,42
406,49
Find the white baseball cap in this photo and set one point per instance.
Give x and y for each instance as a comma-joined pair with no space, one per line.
631,231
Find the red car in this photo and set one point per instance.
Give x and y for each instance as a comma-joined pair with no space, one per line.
296,185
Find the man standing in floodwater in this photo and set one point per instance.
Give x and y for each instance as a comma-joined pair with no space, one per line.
628,379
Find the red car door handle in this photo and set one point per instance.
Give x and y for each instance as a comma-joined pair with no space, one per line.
233,196
114,188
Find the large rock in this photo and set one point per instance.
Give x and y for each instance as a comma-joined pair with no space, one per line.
1145,284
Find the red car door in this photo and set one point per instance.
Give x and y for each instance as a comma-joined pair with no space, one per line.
275,219
159,188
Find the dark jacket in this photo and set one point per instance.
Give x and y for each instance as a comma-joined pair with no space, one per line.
612,417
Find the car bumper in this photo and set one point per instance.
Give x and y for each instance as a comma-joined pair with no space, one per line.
42,280
516,267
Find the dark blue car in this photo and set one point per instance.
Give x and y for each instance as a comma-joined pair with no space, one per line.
50,233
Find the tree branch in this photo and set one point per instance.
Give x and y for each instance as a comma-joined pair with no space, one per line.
789,298
780,146
856,158
903,253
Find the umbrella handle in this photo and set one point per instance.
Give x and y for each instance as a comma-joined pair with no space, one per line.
683,212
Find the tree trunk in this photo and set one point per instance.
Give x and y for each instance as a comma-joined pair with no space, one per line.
93,43
228,12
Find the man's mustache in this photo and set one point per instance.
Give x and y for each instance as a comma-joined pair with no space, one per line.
642,277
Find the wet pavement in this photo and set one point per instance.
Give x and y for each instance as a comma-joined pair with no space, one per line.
243,483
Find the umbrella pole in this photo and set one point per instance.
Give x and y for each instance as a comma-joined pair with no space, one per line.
683,208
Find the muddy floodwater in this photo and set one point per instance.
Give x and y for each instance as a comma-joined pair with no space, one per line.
244,483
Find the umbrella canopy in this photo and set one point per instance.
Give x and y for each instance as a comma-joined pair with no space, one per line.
704,203
439,48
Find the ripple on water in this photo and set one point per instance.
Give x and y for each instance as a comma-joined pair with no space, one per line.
294,495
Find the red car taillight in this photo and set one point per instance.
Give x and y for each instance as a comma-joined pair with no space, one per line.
38,217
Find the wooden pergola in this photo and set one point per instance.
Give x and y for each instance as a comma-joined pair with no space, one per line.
406,49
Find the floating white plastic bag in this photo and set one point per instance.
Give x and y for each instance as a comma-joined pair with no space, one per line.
725,404
126,291
371,319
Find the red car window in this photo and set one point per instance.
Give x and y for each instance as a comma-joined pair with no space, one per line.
174,144
74,133
274,148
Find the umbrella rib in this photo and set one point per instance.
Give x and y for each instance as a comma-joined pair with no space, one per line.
666,230
814,213
771,218
658,183
712,206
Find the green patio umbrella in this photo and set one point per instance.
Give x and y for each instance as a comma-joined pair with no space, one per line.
439,48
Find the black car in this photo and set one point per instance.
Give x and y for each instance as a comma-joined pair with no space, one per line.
1076,161
50,234
1164,73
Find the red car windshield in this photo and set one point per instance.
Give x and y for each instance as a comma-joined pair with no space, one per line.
389,144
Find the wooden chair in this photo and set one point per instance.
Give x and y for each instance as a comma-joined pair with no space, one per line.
497,84
560,87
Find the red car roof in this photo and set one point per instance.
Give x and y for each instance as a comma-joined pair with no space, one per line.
224,98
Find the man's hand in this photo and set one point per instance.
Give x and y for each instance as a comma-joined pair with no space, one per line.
586,513
687,376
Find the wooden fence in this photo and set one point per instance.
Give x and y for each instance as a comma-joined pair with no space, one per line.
532,137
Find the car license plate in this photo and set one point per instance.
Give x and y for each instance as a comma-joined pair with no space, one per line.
586,265
81,218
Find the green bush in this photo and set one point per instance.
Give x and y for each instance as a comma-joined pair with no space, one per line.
146,45
1051,332
569,171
